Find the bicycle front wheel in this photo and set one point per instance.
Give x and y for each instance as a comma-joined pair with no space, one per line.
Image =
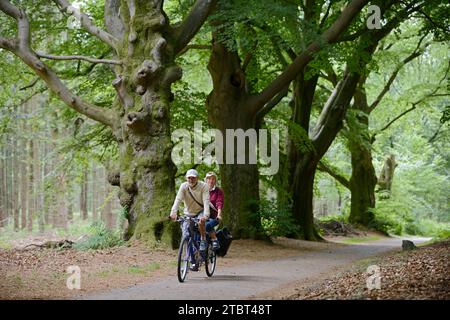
210,263
183,260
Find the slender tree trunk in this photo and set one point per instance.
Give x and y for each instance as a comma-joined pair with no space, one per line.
101,193
70,212
24,184
84,195
37,169
94,193
108,216
62,205
45,180
16,184
3,215
54,199
31,208
9,176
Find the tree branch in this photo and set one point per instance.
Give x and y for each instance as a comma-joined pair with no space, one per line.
330,119
7,44
330,35
433,137
322,23
113,21
24,52
272,104
276,40
339,178
414,106
353,36
249,56
398,117
195,46
411,57
86,22
192,23
31,85
76,57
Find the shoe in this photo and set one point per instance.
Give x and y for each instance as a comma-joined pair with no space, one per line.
215,245
202,245
193,267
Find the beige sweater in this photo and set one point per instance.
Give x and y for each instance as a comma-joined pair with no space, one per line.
191,207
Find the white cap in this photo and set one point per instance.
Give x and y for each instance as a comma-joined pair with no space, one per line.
210,174
191,173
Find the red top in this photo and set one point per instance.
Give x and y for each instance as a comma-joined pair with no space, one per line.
216,199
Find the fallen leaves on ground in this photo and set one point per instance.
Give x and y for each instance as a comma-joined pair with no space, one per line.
423,273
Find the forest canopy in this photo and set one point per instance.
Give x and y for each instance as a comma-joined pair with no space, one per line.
91,91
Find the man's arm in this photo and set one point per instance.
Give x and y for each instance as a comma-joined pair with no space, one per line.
176,203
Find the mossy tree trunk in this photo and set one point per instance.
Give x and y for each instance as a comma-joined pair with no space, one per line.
225,103
363,179
144,46
147,49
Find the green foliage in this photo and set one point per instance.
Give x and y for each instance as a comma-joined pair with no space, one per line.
300,138
188,107
445,114
334,217
390,217
100,238
276,221
358,133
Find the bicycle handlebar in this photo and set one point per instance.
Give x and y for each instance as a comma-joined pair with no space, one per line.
185,218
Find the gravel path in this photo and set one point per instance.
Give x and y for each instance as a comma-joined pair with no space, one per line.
247,281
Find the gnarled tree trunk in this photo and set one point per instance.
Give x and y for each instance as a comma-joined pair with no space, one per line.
146,172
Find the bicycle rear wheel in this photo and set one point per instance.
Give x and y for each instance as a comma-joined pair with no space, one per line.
210,263
183,260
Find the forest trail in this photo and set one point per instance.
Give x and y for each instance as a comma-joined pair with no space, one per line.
255,280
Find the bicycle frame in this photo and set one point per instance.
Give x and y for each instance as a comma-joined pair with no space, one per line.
194,240
189,250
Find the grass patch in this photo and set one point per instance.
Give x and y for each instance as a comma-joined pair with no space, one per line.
104,273
361,239
173,263
5,245
152,266
136,270
101,238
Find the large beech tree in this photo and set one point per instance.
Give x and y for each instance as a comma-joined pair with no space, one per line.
302,163
144,46
232,105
